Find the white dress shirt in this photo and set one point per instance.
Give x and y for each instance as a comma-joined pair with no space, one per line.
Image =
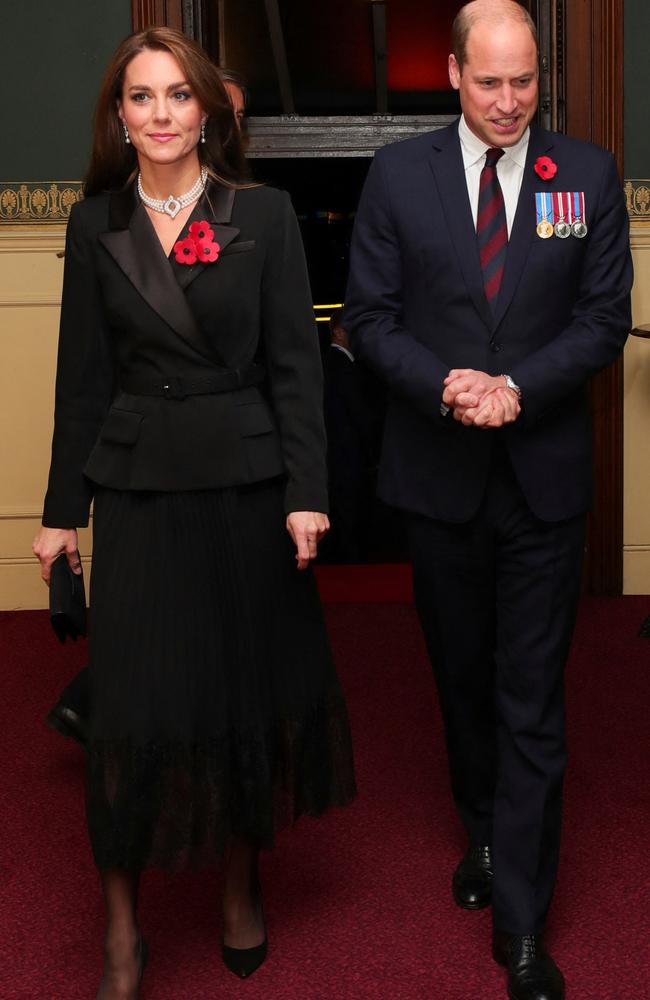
510,169
343,350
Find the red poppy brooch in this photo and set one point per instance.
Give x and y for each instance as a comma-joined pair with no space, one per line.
545,168
199,245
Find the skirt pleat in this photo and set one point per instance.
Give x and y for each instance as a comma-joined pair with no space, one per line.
215,706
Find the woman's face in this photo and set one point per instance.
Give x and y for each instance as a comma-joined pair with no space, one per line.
159,109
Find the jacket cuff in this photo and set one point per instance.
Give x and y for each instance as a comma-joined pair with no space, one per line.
302,497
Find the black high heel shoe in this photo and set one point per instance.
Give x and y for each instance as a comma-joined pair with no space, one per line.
243,962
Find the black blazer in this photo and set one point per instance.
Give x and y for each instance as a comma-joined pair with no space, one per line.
416,308
129,313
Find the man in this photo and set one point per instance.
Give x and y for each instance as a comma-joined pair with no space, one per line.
353,404
70,713
490,279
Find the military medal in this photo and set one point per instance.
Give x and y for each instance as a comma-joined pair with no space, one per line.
544,211
562,228
578,226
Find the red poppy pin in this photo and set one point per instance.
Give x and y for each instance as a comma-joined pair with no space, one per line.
201,231
199,245
545,168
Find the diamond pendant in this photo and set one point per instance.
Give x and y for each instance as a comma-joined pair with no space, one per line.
172,206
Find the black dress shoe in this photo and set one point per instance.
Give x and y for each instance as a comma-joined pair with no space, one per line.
472,881
68,723
532,973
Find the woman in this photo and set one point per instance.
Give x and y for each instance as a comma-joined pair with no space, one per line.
188,406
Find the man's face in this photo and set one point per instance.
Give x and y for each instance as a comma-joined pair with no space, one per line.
236,99
498,84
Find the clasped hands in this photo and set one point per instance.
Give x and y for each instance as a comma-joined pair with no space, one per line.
480,400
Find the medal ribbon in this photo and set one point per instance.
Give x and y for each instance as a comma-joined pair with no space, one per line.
544,207
578,206
560,205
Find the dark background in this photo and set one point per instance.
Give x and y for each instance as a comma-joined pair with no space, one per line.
54,53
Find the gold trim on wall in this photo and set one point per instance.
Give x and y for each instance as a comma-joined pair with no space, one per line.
27,202
637,195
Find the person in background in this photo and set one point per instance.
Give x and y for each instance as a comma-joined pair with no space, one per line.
490,279
353,420
237,91
69,716
188,408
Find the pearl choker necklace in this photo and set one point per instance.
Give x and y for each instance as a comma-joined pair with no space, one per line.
172,206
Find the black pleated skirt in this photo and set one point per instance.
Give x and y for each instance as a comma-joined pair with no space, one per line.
215,706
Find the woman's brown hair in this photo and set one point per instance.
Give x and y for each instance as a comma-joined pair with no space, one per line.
113,162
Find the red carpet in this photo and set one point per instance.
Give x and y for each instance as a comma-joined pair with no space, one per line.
358,905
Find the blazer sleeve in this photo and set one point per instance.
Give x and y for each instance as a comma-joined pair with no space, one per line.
292,355
373,302
601,317
84,382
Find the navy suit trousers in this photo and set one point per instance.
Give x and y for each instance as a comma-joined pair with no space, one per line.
497,599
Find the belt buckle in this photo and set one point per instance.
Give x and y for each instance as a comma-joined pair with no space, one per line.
173,388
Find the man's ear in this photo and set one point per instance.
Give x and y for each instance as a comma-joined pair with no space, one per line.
454,72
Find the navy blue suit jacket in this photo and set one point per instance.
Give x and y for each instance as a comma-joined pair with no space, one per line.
415,308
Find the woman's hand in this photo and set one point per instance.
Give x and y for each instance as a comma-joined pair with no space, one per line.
50,543
306,528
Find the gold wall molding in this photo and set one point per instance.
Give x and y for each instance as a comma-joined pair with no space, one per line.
20,513
637,196
30,301
32,239
45,202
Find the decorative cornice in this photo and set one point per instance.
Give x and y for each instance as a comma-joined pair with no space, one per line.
49,202
637,195
42,202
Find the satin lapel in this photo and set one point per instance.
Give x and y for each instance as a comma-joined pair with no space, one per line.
138,253
523,227
215,206
446,161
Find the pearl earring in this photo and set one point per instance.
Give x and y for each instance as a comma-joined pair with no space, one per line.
202,131
126,134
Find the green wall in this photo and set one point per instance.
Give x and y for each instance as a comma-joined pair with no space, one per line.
54,53
637,89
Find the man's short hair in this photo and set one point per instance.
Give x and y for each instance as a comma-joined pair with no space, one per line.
485,10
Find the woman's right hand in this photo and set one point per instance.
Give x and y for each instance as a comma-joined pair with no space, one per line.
50,543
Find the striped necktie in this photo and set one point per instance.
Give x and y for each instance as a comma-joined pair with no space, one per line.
491,226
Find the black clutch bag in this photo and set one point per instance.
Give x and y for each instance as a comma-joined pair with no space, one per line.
67,600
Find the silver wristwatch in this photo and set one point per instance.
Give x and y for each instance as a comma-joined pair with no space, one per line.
511,384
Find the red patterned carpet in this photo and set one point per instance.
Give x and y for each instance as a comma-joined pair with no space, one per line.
358,905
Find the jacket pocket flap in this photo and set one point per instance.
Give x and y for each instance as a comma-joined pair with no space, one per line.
121,426
254,418
238,247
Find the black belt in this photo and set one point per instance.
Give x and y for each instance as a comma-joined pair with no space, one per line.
178,387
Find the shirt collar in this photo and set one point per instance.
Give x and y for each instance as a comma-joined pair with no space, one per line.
344,350
473,148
